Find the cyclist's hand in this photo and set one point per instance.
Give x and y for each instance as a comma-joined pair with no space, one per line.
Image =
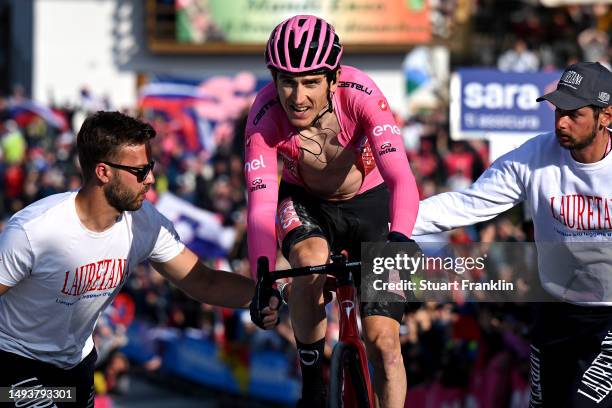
411,247
266,300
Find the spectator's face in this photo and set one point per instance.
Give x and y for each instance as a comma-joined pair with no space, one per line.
303,97
575,129
125,191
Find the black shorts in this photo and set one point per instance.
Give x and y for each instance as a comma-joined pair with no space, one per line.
23,372
571,356
343,224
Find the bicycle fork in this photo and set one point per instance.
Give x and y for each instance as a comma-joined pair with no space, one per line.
346,295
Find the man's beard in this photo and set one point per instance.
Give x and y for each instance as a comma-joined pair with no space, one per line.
572,144
120,198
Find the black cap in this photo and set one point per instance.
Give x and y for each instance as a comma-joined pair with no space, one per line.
582,84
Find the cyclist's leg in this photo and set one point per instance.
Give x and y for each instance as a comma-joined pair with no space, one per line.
304,243
381,335
380,319
306,304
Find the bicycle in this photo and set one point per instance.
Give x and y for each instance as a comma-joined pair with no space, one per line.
350,384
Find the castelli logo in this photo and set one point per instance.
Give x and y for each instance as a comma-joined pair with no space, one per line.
382,104
604,97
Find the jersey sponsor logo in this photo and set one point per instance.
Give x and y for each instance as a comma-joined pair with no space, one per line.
382,104
355,85
287,217
96,276
257,184
582,212
380,129
265,108
367,159
385,148
596,382
255,164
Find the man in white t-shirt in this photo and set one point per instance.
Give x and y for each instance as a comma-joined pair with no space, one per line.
565,179
64,258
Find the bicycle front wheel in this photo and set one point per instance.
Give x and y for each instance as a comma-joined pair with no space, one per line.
347,383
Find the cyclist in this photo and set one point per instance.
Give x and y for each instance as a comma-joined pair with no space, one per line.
64,258
565,178
345,178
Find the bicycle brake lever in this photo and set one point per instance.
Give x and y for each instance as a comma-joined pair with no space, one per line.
263,268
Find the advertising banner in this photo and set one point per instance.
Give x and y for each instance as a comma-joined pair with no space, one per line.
389,22
487,102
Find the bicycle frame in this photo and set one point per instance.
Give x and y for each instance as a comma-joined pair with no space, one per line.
346,295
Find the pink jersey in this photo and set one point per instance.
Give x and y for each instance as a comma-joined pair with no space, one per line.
366,125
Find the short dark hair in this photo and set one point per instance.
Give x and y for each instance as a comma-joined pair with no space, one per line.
102,136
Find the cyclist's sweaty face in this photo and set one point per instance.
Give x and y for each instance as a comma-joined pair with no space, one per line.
575,129
303,97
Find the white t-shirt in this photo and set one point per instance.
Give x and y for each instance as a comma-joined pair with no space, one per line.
62,275
571,206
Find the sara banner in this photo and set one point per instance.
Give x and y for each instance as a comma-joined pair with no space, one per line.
363,22
488,101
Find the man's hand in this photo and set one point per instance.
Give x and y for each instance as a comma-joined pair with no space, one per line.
266,300
264,307
270,314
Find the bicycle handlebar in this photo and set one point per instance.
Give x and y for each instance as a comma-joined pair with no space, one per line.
326,269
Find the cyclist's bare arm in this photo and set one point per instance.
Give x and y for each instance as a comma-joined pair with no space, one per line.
3,289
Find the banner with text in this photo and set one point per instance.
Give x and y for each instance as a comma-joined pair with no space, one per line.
488,102
391,22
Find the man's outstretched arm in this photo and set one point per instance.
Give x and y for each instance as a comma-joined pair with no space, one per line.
497,190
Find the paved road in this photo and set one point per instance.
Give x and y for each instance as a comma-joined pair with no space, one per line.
156,393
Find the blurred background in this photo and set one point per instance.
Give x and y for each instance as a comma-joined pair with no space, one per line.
461,76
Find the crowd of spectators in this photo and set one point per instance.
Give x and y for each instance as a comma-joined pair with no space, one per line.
478,351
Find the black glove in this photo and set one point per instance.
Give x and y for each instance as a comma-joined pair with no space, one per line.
413,250
411,247
263,293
